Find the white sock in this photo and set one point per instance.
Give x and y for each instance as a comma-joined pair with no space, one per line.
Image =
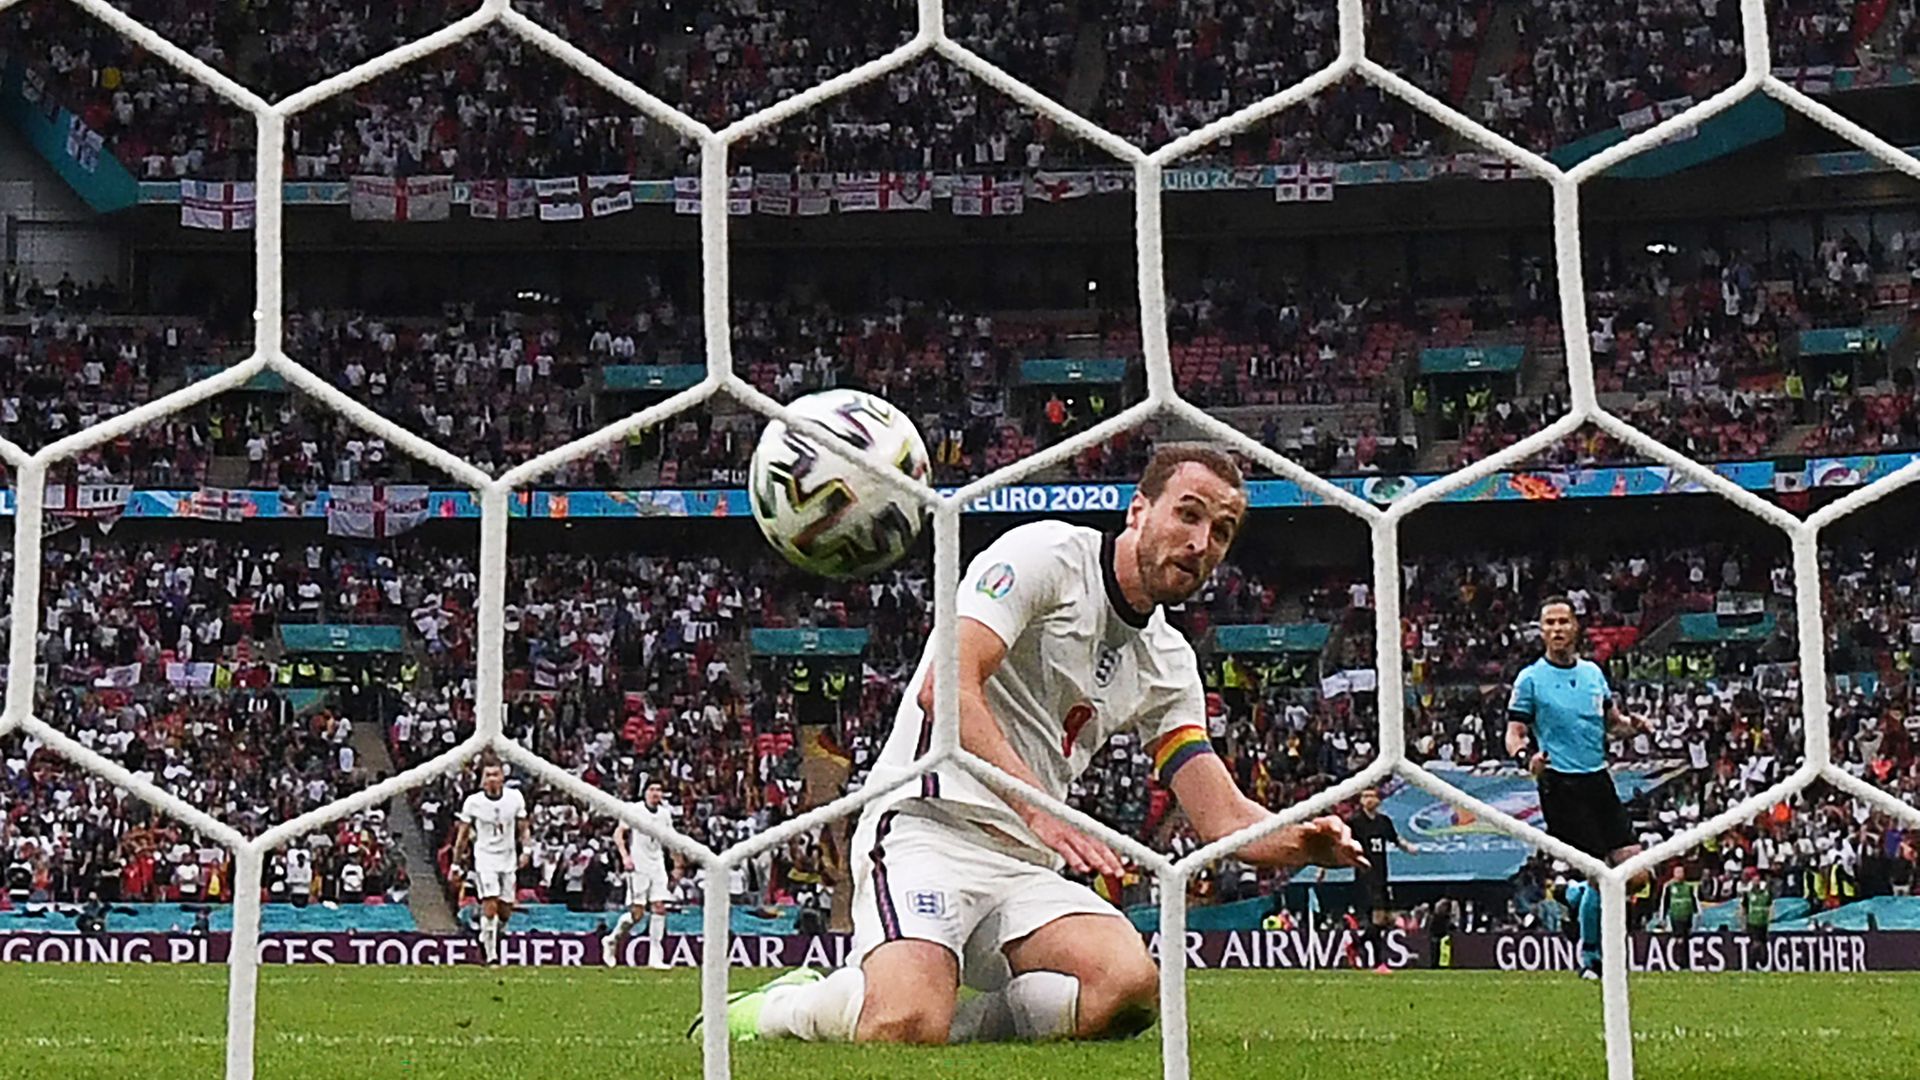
625,924
825,1011
657,937
490,937
1045,1005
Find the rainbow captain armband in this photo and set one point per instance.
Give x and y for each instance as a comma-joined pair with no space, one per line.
1172,751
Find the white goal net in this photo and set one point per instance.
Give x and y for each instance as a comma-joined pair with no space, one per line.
1163,398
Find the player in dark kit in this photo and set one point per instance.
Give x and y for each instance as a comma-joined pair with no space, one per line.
1375,833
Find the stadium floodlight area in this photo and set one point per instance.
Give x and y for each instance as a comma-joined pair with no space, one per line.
1163,397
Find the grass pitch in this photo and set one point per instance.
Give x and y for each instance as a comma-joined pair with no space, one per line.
318,1023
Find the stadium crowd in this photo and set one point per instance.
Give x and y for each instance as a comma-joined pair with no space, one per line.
1697,358
1585,68
626,668
623,673
1700,360
162,655
1740,426
245,755
1174,68
1726,713
496,386
495,105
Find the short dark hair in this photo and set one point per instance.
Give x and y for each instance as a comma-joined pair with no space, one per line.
1168,457
1558,598
489,760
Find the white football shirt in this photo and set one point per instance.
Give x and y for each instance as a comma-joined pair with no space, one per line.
645,851
1081,665
495,826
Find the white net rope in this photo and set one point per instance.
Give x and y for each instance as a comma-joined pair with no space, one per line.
1162,398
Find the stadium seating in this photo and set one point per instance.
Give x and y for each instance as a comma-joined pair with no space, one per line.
1167,69
1702,365
624,667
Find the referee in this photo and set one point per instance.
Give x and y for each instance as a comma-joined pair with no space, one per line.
1563,703
1375,833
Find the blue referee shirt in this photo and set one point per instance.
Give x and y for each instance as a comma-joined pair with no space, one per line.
1567,709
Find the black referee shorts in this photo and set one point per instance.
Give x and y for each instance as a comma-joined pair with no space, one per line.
1375,895
1584,810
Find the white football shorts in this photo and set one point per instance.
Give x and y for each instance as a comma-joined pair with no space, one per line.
929,880
647,884
495,881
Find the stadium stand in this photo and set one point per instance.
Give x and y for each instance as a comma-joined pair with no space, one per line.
627,667
492,105
1699,351
734,755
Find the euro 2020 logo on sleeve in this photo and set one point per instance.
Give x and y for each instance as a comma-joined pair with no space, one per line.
997,581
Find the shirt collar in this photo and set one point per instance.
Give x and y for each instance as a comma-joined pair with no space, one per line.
1115,596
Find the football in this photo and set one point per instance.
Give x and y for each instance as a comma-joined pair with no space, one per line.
825,514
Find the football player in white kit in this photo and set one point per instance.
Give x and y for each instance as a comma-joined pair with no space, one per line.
493,822
1062,644
648,885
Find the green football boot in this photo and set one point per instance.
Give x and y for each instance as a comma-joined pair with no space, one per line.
743,1006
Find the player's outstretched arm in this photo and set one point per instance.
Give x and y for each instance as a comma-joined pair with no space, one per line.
981,653
620,833
1217,808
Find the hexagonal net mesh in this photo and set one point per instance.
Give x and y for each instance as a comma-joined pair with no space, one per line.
1163,397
